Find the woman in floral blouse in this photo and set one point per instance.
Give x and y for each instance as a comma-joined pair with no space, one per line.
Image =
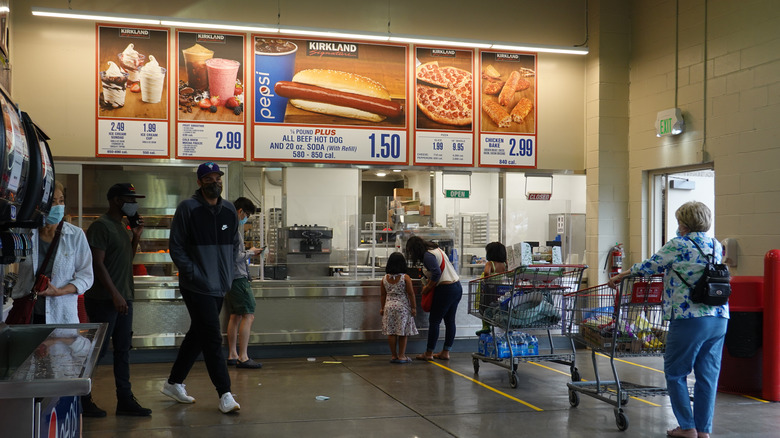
696,331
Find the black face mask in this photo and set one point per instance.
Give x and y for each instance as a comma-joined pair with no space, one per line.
212,190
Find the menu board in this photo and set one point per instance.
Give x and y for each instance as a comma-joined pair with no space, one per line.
329,101
210,120
131,80
444,117
508,110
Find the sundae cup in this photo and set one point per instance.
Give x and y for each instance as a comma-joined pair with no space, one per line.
114,82
195,59
222,78
152,81
131,61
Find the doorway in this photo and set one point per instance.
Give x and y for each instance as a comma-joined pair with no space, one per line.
669,191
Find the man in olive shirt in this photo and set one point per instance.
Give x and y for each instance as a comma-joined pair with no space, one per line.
110,300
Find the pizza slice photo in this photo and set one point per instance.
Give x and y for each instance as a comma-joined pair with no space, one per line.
444,94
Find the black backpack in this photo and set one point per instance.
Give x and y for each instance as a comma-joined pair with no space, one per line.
713,288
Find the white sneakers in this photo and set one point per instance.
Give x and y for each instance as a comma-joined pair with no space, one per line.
177,392
227,403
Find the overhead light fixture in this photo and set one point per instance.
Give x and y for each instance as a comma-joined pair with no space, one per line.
299,31
4,9
241,27
88,15
380,174
439,42
669,122
396,170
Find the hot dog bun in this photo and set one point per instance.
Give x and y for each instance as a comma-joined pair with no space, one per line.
339,95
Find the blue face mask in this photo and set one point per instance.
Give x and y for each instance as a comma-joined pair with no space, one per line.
243,221
55,215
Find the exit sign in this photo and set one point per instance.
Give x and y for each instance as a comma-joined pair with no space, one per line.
669,122
456,193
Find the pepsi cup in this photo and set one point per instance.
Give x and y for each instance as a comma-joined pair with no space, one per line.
274,62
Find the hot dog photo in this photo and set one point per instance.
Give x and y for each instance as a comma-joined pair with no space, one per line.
329,82
508,92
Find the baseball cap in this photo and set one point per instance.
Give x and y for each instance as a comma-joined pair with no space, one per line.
207,168
123,189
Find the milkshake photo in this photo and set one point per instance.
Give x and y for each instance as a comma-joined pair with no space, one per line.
195,58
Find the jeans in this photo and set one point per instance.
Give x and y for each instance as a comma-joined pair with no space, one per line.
120,334
445,305
204,336
694,344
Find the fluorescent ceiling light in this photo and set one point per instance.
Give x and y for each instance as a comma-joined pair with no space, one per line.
332,34
323,33
381,174
243,27
448,43
87,15
544,49
5,9
396,170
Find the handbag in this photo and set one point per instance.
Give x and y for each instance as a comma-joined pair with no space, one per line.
22,310
426,301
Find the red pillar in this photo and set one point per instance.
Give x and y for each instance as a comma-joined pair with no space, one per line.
771,365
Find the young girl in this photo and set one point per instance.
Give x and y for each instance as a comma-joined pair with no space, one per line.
398,307
495,253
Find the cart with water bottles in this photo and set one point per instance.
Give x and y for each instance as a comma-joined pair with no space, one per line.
520,305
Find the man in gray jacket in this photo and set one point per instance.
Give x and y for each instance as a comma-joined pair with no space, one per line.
204,245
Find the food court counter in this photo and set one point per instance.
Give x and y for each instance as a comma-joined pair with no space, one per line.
329,309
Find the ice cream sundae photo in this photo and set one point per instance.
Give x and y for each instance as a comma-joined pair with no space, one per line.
131,61
114,83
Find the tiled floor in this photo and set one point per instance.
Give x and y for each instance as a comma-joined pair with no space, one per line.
370,397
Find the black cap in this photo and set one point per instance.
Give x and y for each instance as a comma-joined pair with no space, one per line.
207,168
123,189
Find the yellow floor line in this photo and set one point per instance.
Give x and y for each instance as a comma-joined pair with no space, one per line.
633,363
755,398
489,387
584,380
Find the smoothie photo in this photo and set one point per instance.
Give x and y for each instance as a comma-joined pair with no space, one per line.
222,75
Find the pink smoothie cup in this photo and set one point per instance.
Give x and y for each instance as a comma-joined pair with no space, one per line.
222,77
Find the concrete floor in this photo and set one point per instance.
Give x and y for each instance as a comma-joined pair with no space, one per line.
370,397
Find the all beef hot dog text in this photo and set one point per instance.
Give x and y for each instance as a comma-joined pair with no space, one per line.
340,94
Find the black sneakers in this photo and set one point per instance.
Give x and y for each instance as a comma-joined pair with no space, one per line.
129,406
90,409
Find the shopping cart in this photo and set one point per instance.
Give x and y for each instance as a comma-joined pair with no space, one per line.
527,298
623,322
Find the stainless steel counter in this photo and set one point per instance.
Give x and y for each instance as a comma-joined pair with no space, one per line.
318,310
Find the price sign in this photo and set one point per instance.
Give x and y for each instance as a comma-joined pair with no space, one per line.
132,138
209,140
507,150
444,148
346,145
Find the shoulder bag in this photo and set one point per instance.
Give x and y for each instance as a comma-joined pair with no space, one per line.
713,288
22,310
426,301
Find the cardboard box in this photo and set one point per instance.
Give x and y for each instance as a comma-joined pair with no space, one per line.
410,206
403,193
597,340
425,210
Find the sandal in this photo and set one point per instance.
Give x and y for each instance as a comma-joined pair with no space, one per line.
682,433
440,357
424,357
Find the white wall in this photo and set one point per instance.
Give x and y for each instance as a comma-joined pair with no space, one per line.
529,220
326,197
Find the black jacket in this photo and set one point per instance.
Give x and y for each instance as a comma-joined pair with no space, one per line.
204,245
